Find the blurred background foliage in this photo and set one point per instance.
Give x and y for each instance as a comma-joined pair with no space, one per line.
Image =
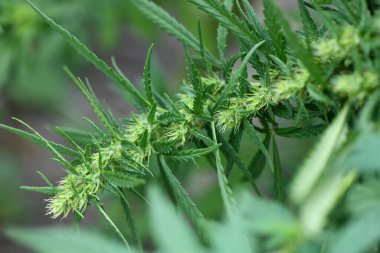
33,87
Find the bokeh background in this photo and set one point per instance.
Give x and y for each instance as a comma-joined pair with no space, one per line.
34,88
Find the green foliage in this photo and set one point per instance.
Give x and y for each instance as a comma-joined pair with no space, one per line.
321,81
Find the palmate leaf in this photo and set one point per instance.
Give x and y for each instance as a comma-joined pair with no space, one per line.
182,197
95,60
122,180
37,140
170,25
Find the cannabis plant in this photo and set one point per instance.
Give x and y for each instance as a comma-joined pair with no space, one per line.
322,81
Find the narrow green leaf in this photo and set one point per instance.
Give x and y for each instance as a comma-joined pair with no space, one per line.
93,101
258,162
128,215
304,54
196,82
182,197
46,180
315,164
235,77
189,154
301,132
220,12
94,59
46,190
231,153
226,192
256,139
37,140
122,180
147,77
310,27
170,25
47,144
274,29
114,227
253,20
222,34
278,187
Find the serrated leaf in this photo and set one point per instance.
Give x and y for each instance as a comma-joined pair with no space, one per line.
310,27
274,29
226,192
92,100
234,79
170,25
81,137
37,140
301,132
253,19
304,54
222,34
122,180
189,154
128,215
147,77
278,186
257,164
50,147
182,197
231,153
196,82
94,59
220,12
256,139
46,190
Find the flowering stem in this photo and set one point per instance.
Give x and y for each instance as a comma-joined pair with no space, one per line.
101,210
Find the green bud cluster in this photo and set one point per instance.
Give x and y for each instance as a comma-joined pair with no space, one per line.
337,48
